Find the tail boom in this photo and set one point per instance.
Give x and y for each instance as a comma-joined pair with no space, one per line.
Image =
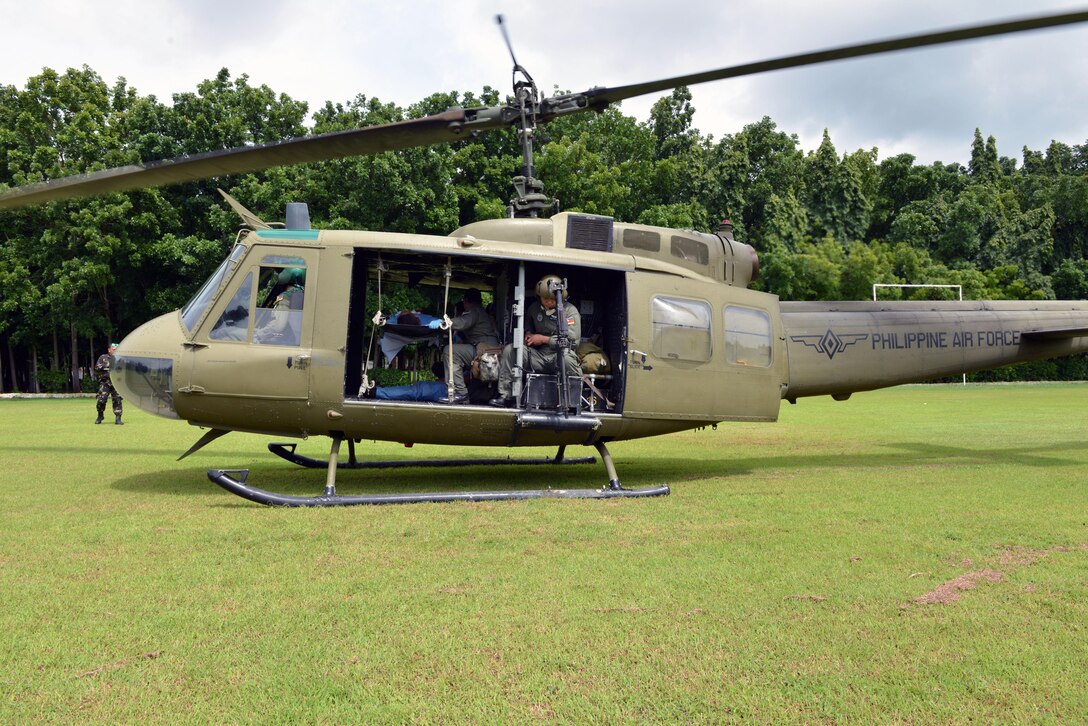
837,348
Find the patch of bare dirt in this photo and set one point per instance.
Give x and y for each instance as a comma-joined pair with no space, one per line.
1009,557
948,592
453,590
807,598
120,664
1018,555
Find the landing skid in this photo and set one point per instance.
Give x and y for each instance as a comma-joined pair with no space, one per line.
287,451
234,481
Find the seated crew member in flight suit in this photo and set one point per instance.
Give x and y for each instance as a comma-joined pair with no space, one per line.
277,327
541,344
475,327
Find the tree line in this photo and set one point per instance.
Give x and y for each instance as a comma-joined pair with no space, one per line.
827,225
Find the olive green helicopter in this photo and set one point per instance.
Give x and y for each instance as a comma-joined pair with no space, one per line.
281,340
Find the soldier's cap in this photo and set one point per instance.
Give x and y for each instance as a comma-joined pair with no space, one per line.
113,345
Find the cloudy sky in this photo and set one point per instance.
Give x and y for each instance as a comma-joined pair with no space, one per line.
1024,90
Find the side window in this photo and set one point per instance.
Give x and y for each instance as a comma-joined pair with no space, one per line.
233,324
640,239
747,337
681,329
281,297
690,249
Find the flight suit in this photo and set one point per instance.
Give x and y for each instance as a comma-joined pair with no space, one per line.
475,327
276,328
542,358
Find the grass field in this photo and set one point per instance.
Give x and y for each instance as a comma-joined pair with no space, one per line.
913,555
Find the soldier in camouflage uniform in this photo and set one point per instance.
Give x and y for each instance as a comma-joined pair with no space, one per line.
105,386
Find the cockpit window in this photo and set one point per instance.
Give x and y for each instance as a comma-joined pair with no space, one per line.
281,296
233,324
194,309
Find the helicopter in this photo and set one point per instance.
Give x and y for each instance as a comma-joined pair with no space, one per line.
681,341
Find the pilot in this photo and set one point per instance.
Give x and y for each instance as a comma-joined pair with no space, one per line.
541,342
277,329
476,327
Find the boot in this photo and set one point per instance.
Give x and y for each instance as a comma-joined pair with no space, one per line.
99,419
119,422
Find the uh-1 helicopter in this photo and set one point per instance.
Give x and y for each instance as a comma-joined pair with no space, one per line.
688,343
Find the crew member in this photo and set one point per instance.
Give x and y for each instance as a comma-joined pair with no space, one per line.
476,327
105,386
541,350
277,329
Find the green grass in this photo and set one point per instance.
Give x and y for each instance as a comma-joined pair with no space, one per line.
776,583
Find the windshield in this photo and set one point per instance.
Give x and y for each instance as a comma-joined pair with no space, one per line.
194,309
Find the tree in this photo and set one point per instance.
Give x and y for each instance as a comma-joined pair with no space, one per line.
670,121
397,191
677,216
833,194
826,226
787,223
746,169
984,164
865,265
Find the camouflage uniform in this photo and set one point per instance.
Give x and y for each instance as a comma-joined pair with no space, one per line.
106,389
542,358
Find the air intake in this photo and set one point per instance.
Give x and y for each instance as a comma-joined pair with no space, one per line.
586,232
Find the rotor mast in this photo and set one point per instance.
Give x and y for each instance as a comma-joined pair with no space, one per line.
530,199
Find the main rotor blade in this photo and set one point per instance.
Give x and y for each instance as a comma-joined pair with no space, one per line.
450,125
600,97
458,123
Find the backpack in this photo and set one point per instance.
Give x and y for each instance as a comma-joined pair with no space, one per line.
485,366
593,359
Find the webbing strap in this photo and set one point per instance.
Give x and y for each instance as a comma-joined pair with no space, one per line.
378,321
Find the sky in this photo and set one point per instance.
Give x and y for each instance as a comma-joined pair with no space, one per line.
1024,90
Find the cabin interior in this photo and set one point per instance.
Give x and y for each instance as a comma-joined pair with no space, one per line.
418,282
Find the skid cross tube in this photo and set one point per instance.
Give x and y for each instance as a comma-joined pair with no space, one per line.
287,451
234,481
